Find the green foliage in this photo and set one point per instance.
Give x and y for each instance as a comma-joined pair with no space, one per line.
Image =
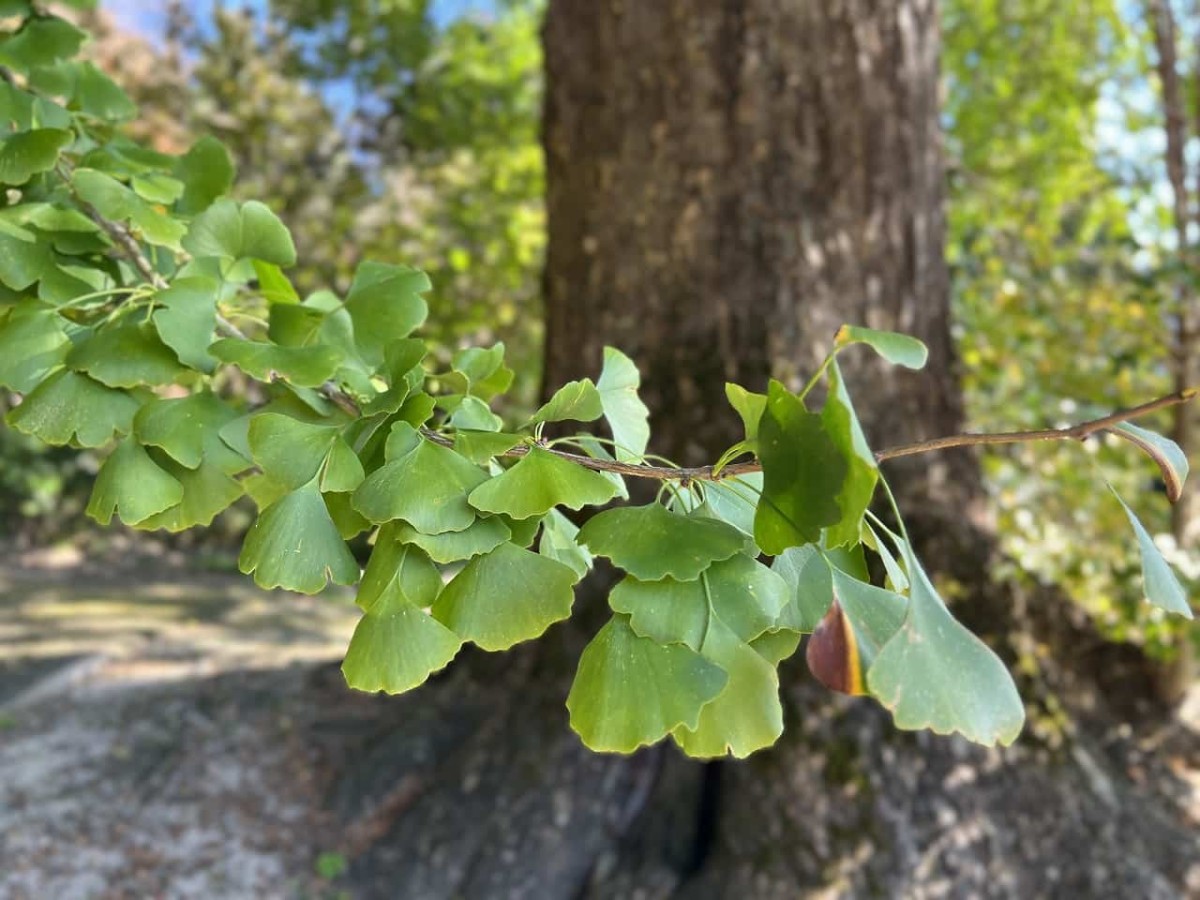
124,289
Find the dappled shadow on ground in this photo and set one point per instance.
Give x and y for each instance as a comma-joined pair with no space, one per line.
188,736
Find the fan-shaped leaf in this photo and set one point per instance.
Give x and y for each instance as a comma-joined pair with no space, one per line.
651,543
1159,583
558,542
481,536
295,544
32,344
578,401
841,424
126,356
898,349
803,474
426,487
69,407
303,366
624,411
396,563
397,645
130,484
385,304
540,481
630,691
506,596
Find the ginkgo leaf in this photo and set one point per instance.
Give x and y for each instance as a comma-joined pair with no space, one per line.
385,304
343,470
936,674
395,562
1159,584
578,401
287,450
303,366
32,345
426,487
396,645
1167,455
803,474
187,429
185,316
250,231
473,414
506,596
540,481
207,491
126,356
776,646
842,426
132,486
749,406
898,349
481,536
743,593
626,414
482,446
650,542
896,577
294,544
558,542
26,154
810,586
861,619
69,407
630,691
747,715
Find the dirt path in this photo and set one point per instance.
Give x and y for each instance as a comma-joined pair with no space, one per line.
153,736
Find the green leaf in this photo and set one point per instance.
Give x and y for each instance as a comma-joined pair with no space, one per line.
251,231
898,349
749,406
302,366
288,451
578,401
896,578
481,446
33,343
426,487
385,304
23,260
1159,583
630,691
26,154
117,202
626,414
842,426
274,285
540,481
473,414
935,674
506,596
42,41
98,96
343,470
803,474
651,543
776,646
396,564
127,355
207,491
294,544
130,484
187,429
747,715
397,646
1167,455
481,372
481,536
70,408
742,593
156,188
558,542
207,173
186,316
810,585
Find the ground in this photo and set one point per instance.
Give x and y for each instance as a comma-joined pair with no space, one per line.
166,732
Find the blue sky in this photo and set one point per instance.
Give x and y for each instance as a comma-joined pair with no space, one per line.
149,16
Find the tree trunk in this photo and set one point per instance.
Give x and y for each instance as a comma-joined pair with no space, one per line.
728,183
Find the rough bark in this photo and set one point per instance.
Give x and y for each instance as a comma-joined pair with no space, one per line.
728,182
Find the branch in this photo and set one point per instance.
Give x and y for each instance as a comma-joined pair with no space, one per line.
1079,432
